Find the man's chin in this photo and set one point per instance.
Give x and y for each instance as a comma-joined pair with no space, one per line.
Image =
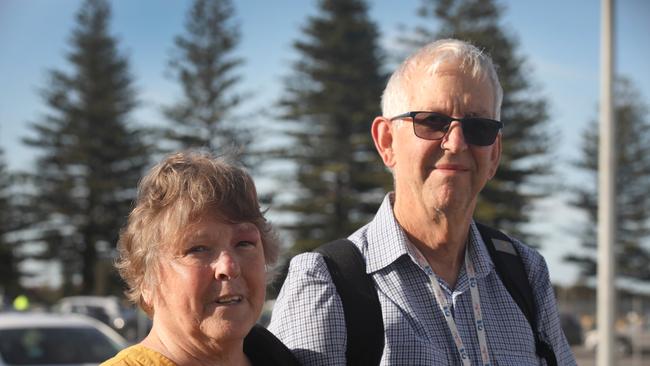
447,204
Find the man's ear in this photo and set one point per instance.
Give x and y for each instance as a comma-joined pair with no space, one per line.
382,135
495,156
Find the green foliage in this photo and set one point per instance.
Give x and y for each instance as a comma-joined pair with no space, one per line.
91,159
204,64
506,201
328,105
632,187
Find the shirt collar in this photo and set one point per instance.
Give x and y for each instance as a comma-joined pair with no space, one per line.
478,252
387,242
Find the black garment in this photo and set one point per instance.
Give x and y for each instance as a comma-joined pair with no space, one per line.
263,348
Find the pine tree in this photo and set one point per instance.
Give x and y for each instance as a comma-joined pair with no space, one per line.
632,187
506,201
9,271
329,103
91,157
205,65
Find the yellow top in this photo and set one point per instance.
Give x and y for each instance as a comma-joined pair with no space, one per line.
138,355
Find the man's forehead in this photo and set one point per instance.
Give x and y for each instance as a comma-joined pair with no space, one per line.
448,67
424,79
474,94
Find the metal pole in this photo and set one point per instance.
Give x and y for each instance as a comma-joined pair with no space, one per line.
606,193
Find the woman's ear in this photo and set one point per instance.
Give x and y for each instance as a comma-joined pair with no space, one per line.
147,295
382,135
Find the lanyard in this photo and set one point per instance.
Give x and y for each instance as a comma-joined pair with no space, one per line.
445,307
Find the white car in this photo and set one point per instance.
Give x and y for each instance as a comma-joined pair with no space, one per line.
105,309
47,339
109,310
626,342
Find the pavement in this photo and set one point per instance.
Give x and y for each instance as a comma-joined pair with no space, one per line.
588,358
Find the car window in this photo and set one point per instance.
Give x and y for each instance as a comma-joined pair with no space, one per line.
98,313
55,346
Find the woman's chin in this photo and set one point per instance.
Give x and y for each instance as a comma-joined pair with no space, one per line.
222,326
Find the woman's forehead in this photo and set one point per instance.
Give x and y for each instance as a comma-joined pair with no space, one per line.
212,225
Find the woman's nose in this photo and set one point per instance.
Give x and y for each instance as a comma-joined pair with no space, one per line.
226,267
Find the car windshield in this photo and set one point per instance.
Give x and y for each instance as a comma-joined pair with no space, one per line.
55,346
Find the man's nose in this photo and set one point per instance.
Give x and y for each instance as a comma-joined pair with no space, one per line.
454,140
226,266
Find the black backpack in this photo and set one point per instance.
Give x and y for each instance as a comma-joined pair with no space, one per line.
362,311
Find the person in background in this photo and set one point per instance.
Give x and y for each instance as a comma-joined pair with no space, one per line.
194,254
442,302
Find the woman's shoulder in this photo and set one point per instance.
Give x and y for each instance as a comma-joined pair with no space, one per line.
263,348
138,355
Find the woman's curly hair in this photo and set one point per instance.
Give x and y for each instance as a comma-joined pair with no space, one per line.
173,194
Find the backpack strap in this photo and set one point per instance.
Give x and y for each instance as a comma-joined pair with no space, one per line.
512,273
361,308
363,319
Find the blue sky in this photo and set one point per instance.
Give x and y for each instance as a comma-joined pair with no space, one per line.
560,40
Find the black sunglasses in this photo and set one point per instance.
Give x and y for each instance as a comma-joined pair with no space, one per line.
434,126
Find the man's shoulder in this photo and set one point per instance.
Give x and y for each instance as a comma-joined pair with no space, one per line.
528,254
308,263
312,264
307,315
360,236
533,261
525,251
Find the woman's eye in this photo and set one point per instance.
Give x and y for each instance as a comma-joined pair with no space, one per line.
245,244
197,250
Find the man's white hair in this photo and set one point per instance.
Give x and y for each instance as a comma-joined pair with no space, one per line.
396,98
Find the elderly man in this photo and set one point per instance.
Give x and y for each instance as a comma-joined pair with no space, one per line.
442,301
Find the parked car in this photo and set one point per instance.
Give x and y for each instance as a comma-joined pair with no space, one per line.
109,311
47,339
629,340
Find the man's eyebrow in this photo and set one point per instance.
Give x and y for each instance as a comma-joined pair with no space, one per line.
477,114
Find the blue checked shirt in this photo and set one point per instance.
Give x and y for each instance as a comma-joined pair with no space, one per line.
308,315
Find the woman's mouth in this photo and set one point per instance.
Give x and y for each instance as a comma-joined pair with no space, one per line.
229,299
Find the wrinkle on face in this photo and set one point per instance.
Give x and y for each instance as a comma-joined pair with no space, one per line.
186,298
418,182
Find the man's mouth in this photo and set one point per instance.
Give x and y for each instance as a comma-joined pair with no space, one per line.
456,167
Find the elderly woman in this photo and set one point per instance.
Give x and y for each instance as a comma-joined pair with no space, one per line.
195,254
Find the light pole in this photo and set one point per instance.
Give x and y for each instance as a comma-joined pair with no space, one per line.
606,192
